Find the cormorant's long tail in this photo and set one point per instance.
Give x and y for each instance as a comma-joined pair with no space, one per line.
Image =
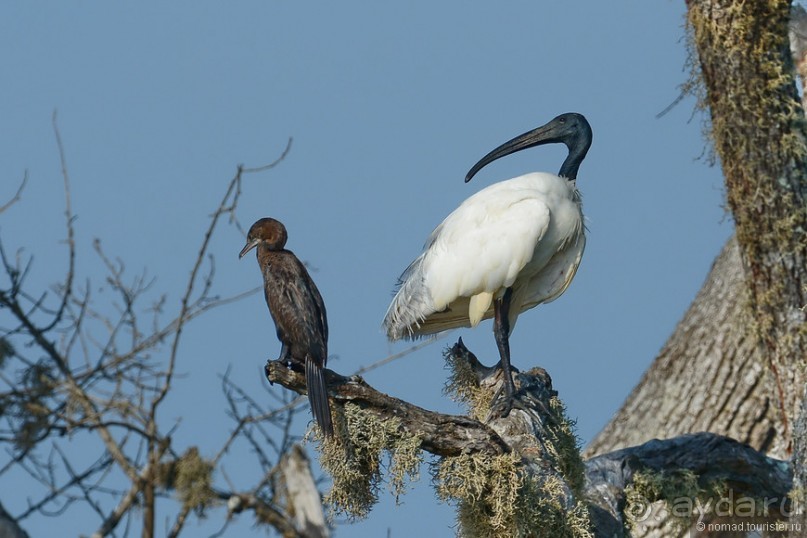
318,396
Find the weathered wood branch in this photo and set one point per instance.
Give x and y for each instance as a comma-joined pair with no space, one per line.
265,512
9,527
712,458
491,468
531,432
302,495
442,434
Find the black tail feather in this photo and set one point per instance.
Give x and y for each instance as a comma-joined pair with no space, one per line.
318,396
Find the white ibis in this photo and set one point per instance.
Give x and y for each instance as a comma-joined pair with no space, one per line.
506,249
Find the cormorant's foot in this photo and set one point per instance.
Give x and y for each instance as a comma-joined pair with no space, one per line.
267,371
288,364
293,365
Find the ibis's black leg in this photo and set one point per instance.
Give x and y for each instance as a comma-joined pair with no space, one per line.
501,330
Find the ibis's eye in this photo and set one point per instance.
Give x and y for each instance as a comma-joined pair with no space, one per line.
563,119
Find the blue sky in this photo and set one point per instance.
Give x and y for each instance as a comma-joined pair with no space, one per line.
389,104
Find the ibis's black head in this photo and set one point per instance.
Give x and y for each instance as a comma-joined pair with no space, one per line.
267,231
571,129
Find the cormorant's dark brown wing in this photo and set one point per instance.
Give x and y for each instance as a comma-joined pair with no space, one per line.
302,324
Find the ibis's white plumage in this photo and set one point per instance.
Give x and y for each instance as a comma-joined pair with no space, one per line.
507,248
526,233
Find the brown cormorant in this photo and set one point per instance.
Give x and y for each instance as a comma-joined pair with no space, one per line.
297,310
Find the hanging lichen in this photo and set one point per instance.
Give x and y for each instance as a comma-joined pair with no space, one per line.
676,488
564,446
354,459
193,477
559,441
462,385
29,409
495,497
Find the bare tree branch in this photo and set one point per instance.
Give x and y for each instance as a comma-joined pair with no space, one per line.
111,387
67,288
227,205
442,435
16,198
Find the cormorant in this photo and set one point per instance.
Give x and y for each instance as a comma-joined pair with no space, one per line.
297,309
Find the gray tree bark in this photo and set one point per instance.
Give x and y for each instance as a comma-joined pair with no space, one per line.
735,363
710,376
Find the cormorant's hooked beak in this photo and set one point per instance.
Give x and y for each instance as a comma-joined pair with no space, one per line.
249,246
550,133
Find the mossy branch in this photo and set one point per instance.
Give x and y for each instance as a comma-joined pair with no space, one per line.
691,466
440,434
518,475
523,476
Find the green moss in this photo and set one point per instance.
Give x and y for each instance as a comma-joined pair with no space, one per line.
671,487
757,125
495,497
462,386
354,459
757,128
193,477
797,496
564,447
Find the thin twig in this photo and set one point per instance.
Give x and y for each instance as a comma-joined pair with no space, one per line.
16,198
71,242
222,209
57,491
386,360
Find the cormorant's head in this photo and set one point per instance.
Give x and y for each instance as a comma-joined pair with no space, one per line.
268,232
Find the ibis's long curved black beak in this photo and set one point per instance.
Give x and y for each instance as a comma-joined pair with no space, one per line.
571,129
